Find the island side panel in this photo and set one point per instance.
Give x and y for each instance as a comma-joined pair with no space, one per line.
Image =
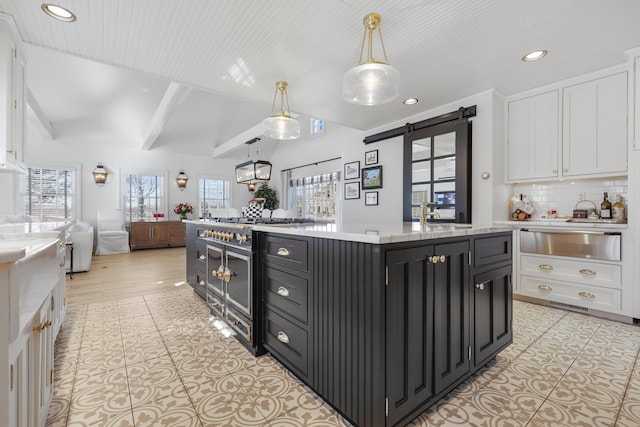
349,328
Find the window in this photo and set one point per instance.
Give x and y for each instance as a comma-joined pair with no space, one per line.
144,195
49,193
213,193
314,197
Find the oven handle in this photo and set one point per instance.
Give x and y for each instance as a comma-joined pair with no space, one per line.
597,233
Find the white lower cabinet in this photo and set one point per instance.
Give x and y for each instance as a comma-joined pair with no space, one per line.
582,283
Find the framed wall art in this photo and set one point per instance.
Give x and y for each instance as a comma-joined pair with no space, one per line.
352,170
371,157
351,190
372,177
371,198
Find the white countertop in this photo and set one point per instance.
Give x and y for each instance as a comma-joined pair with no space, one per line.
380,234
24,239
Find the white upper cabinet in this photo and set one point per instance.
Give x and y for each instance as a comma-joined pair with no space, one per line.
594,138
533,137
583,134
12,102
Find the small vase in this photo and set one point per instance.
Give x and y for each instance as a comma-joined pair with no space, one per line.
183,216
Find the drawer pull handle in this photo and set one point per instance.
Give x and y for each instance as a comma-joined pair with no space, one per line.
587,295
282,337
434,259
480,286
546,267
284,292
283,252
588,272
202,257
201,282
442,258
62,264
545,288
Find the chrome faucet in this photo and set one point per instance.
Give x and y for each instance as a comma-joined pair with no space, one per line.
425,213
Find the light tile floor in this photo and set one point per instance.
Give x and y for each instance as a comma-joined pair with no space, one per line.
158,361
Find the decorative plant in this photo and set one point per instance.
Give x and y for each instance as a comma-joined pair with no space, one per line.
269,195
183,209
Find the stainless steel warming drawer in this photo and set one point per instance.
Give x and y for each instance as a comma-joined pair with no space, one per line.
578,244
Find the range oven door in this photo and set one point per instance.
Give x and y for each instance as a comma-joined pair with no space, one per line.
239,283
215,270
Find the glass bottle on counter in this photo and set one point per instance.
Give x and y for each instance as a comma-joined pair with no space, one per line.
617,211
605,207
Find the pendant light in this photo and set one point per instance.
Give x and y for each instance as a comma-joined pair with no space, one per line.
253,171
281,125
371,82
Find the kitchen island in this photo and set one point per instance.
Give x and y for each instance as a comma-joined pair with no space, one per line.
383,321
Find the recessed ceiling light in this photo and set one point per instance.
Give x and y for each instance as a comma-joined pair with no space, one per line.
532,56
58,12
410,101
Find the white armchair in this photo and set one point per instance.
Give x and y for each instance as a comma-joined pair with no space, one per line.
81,234
112,235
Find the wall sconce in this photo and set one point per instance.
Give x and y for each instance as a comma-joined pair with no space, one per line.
182,180
100,175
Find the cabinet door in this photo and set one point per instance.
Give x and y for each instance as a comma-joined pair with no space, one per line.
409,330
492,296
533,137
177,234
159,234
595,127
41,365
16,144
140,234
451,295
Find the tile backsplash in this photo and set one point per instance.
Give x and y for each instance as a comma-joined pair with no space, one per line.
564,195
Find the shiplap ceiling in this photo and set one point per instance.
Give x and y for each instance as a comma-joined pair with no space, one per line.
232,53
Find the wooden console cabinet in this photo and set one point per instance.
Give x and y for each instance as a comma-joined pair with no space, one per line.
156,234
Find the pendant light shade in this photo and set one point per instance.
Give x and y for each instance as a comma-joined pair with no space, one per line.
281,125
371,82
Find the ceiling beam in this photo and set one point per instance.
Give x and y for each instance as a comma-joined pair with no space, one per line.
41,121
174,96
238,140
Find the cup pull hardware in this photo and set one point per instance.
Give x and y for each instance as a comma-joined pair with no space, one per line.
282,337
283,292
545,267
545,288
283,251
587,295
588,272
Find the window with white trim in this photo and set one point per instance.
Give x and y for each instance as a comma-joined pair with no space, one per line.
144,195
49,193
213,193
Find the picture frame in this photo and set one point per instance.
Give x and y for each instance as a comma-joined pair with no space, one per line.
351,190
371,198
371,157
372,177
352,170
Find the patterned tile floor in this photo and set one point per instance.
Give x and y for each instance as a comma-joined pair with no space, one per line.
158,361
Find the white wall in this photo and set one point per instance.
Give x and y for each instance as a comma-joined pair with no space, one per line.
487,155
84,154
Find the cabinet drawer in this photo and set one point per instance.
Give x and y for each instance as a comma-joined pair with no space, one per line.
289,252
591,273
572,293
491,250
201,280
287,292
201,254
288,341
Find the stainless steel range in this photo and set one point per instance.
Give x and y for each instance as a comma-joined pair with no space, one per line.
223,272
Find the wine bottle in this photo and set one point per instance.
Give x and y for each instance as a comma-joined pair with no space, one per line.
617,211
605,207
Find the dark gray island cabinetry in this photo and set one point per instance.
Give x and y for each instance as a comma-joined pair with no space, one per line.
383,330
